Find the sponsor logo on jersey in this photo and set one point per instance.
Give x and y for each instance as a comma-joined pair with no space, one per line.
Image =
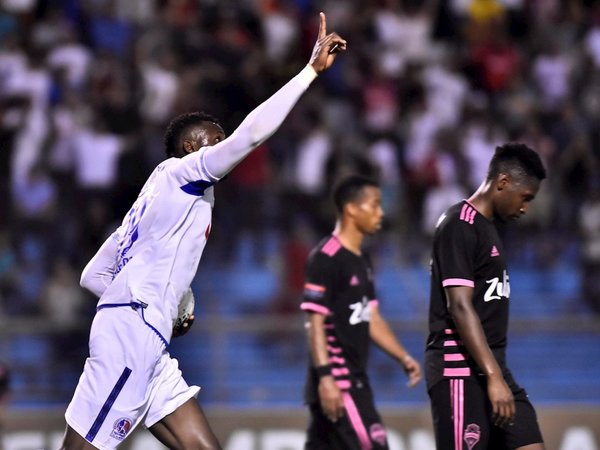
120,428
377,433
494,251
497,288
354,281
361,312
472,435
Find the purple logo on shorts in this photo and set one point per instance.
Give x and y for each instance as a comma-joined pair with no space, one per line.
121,427
472,435
377,433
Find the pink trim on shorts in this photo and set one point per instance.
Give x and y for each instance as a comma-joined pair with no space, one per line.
357,422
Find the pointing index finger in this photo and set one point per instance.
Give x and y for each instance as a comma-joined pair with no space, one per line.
322,25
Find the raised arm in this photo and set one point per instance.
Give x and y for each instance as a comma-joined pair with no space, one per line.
261,123
468,326
383,336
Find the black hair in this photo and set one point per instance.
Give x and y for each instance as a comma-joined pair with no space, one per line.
348,189
518,160
179,125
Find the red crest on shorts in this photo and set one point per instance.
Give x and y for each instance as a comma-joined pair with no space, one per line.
121,427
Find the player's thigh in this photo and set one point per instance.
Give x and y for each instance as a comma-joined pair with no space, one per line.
323,434
524,432
113,393
461,414
190,428
169,391
359,428
74,441
538,446
364,419
164,435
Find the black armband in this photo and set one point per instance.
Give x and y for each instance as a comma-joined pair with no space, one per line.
323,371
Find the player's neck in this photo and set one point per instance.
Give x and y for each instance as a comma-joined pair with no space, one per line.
482,200
350,237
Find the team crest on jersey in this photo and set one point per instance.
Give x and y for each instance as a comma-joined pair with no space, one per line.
377,433
121,427
472,435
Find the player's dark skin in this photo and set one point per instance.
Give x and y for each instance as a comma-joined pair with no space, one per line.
503,198
187,428
359,219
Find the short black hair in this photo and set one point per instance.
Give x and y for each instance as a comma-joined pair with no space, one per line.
348,189
179,125
518,160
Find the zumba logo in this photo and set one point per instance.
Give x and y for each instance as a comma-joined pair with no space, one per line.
497,289
377,433
472,435
120,428
361,312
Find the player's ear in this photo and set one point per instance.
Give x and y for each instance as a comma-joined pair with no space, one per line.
502,181
350,209
188,146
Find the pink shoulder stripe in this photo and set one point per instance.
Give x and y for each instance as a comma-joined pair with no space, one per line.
458,282
467,213
331,247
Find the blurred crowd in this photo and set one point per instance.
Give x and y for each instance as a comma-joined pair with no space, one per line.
423,95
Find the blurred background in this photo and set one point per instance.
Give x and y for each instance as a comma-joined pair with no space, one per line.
423,95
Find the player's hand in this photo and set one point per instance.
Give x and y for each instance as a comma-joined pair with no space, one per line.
502,400
326,48
184,327
412,369
331,398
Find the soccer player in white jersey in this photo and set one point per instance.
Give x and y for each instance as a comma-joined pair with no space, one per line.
146,265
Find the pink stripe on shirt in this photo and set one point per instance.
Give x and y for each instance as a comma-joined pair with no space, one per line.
314,307
458,282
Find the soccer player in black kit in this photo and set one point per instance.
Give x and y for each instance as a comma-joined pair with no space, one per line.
342,319
476,404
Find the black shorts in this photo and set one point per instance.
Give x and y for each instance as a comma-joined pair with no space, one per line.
462,418
359,429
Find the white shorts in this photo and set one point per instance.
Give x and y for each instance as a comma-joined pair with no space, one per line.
128,378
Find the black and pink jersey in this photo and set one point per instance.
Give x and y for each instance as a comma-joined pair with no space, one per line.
339,285
467,251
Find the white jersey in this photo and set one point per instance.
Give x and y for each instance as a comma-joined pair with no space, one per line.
153,256
161,239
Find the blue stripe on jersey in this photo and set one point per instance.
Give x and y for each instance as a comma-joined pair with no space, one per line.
196,188
108,404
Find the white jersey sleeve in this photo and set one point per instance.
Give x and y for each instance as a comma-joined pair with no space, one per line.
212,163
99,271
